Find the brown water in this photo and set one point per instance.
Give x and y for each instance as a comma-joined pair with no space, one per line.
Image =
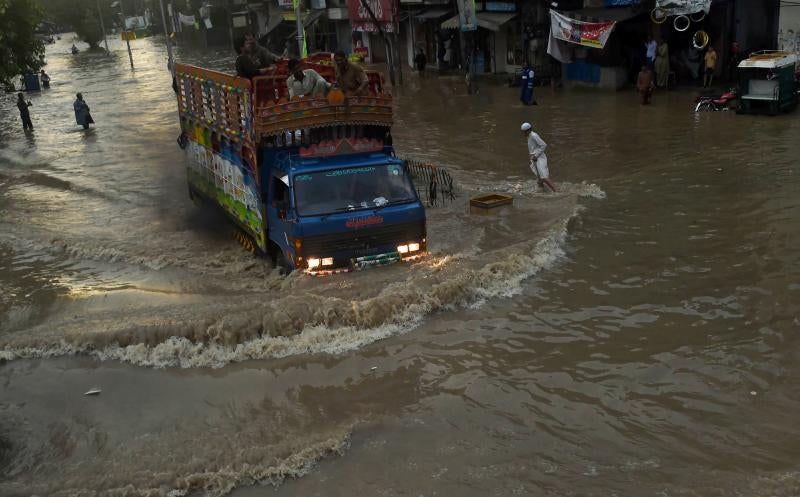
632,335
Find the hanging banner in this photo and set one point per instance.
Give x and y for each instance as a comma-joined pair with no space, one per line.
588,34
361,20
186,20
683,7
467,20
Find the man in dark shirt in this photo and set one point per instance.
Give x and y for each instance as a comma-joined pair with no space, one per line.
260,55
246,64
24,113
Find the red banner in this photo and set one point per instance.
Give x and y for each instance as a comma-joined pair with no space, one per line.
361,20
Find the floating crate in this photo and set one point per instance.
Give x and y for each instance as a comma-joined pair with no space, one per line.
486,203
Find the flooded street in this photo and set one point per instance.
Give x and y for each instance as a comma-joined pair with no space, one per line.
634,334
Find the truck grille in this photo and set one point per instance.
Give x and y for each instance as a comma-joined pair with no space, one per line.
363,241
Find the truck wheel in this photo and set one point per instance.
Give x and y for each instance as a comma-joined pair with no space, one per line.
282,264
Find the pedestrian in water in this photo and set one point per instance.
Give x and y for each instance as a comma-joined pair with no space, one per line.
650,49
420,61
82,115
45,79
645,84
526,90
711,66
662,65
538,164
24,113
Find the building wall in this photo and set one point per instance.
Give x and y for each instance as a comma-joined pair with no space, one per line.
789,29
757,24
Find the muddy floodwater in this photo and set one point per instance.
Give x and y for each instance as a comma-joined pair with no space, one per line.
635,334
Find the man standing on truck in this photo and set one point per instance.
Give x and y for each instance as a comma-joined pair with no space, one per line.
260,55
538,159
350,77
303,82
246,63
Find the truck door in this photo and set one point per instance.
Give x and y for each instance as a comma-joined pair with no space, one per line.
280,215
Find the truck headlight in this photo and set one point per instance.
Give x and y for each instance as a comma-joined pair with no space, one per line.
403,249
413,247
313,262
327,261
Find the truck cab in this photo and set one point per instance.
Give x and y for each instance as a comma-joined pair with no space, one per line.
312,182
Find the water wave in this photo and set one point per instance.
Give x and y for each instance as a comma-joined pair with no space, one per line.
306,322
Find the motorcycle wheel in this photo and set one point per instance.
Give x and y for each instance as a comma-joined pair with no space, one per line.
705,107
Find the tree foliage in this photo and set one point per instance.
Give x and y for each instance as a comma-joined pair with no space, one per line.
82,16
20,50
88,29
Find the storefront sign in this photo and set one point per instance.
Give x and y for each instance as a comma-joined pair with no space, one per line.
361,20
588,34
500,7
683,7
467,20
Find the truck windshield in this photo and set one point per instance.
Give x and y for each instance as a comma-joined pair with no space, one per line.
354,188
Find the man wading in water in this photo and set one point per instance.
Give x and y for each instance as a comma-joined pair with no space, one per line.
538,159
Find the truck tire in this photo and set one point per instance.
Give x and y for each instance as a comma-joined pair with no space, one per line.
282,264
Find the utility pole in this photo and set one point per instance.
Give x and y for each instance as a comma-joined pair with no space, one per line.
301,42
386,39
127,33
102,27
169,41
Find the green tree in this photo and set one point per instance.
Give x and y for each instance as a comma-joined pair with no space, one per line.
20,50
88,28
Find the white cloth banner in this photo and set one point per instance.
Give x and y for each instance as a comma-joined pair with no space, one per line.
186,20
683,7
588,34
558,49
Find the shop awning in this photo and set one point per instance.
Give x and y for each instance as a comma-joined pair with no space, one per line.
487,20
433,14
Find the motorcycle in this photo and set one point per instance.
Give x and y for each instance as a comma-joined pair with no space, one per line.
713,103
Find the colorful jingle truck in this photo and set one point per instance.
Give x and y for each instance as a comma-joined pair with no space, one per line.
311,182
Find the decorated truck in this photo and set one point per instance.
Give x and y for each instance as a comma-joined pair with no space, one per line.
312,182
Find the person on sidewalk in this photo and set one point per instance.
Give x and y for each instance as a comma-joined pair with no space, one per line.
420,61
711,66
82,115
24,113
645,84
538,159
662,65
304,82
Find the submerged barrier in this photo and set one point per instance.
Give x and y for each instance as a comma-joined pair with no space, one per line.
434,184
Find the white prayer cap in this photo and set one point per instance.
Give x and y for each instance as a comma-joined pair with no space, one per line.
525,126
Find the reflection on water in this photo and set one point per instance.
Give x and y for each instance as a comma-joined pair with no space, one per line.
651,354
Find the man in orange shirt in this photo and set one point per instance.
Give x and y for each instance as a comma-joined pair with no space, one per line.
711,66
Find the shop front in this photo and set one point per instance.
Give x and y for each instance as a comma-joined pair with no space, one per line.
496,46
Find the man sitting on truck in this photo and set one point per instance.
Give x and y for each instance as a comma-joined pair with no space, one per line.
303,82
350,77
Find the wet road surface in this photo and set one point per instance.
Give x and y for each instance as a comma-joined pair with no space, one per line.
632,335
